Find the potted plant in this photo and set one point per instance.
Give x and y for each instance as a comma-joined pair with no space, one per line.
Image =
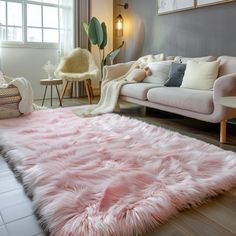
97,34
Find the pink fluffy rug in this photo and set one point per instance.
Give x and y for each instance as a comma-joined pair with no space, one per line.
110,175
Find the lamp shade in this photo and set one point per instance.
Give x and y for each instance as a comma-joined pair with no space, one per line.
119,25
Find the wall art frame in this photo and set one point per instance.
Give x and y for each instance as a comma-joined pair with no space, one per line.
171,6
205,3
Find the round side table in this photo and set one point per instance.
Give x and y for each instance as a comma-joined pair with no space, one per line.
51,82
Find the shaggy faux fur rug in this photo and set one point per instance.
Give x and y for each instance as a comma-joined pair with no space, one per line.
110,175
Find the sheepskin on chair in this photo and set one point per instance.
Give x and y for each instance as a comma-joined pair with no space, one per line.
78,66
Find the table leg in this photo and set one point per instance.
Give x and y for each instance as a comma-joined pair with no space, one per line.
45,91
58,95
51,95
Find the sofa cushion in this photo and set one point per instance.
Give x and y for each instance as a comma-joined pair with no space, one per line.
227,65
200,101
160,71
184,60
176,75
137,90
200,75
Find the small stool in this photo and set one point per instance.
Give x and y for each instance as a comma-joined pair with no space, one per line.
51,82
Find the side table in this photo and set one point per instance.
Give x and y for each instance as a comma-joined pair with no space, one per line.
227,102
51,82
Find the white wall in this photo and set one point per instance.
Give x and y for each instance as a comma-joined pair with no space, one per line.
27,62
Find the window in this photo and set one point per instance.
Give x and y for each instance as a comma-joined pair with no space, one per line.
11,19
29,21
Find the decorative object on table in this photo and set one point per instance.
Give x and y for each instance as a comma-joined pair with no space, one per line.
170,6
49,69
51,83
111,173
78,66
97,34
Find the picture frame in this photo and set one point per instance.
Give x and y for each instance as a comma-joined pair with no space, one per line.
205,3
171,6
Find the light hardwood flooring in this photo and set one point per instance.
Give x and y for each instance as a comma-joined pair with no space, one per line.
217,217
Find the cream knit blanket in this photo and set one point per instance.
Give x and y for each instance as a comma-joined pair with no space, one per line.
111,88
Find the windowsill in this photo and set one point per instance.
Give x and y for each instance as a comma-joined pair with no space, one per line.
29,45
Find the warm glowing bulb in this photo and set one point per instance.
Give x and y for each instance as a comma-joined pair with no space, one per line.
119,25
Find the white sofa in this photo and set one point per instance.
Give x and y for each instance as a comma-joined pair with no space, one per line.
198,104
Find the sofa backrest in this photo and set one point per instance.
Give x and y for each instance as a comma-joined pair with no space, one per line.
180,59
227,65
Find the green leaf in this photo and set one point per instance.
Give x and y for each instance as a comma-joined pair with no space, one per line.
86,27
112,55
104,42
95,32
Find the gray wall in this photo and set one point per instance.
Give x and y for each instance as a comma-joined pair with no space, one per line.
205,31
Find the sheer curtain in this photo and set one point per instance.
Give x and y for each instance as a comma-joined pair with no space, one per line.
66,19
72,14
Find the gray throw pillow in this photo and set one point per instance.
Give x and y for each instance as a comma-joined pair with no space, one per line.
176,75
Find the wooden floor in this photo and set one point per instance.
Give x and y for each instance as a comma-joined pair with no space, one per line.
217,217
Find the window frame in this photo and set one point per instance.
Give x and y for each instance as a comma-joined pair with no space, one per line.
24,43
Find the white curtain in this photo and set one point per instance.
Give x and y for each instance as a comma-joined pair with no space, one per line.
72,14
66,19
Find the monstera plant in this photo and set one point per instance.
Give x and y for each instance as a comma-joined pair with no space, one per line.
97,34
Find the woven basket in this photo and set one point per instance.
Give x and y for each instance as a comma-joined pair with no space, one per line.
9,92
9,102
9,111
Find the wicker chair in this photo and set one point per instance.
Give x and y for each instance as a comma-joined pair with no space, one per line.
78,66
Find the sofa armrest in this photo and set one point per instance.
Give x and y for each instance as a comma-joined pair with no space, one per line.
225,86
117,70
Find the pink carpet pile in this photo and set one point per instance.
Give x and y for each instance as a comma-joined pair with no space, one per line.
110,175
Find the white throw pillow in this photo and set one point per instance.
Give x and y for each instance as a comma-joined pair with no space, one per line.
200,75
160,71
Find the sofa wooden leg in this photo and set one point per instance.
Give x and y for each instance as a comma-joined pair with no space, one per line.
64,91
223,131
